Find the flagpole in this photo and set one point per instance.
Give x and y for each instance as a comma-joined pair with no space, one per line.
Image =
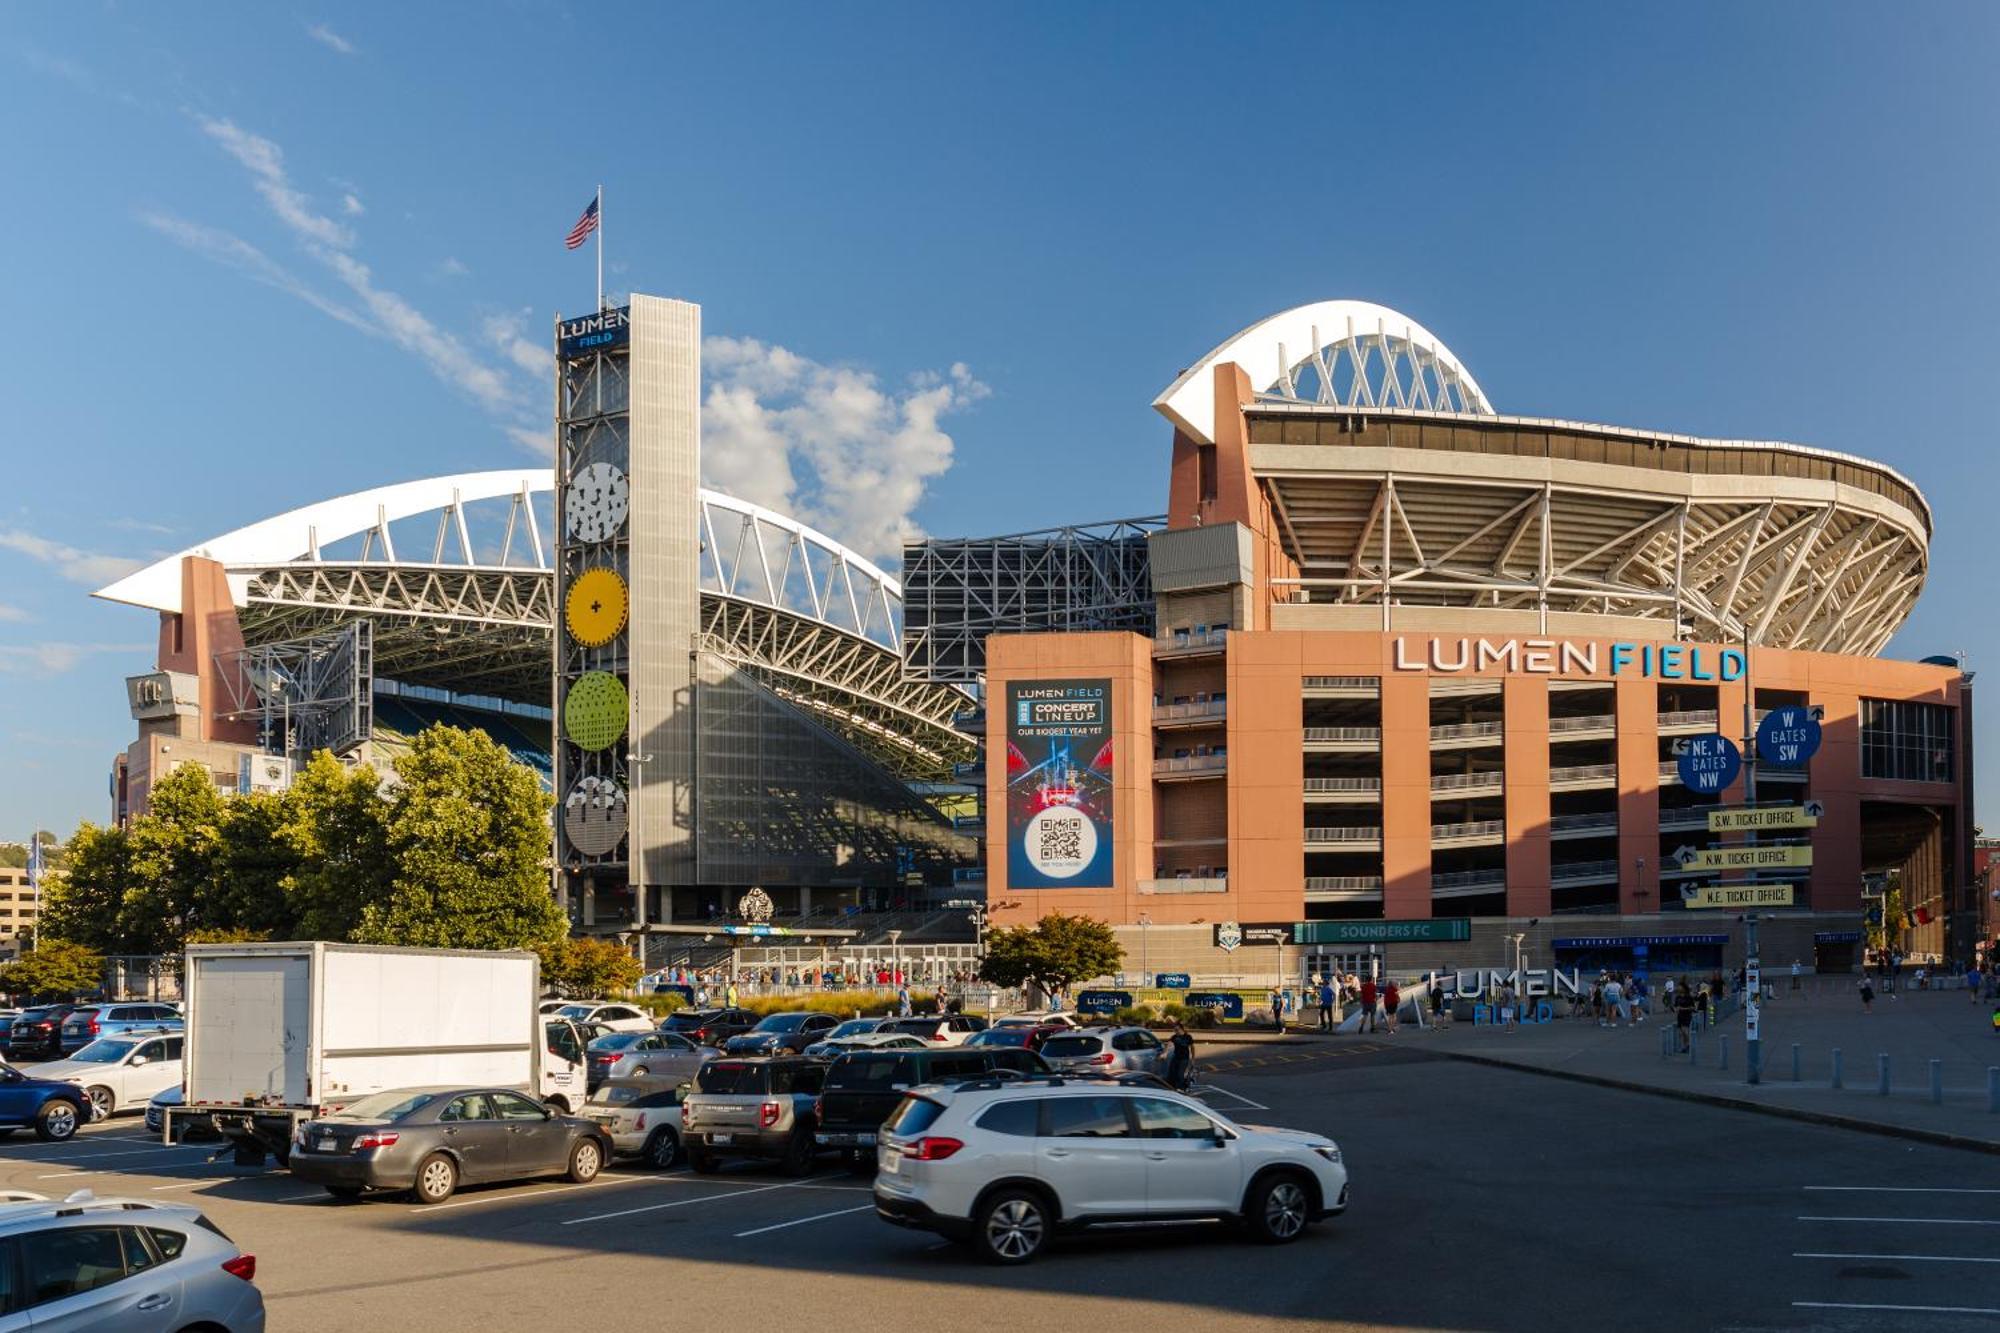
600,247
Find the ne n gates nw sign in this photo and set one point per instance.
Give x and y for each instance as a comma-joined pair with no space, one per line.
1568,657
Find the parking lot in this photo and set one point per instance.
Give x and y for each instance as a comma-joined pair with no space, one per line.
1482,1199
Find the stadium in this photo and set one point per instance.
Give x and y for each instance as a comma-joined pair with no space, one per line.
1396,675
1421,675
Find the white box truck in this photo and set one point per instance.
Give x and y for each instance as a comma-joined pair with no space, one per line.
279,1033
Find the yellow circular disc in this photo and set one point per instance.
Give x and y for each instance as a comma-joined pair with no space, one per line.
596,607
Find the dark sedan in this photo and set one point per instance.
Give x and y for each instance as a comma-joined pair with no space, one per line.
710,1027
429,1141
781,1034
1018,1035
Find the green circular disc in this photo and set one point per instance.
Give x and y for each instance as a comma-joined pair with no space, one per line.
594,712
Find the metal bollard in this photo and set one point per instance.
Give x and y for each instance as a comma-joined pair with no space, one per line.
1836,1068
1722,1041
1882,1074
1795,1062
1666,1041
1937,1083
1694,1047
1992,1090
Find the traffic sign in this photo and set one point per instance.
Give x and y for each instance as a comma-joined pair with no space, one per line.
1736,895
1785,856
1708,764
1789,736
1740,819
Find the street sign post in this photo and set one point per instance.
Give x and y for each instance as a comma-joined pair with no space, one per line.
1760,856
1735,819
1707,764
1697,896
1789,736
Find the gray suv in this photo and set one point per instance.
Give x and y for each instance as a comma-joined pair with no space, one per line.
136,1265
756,1107
83,1026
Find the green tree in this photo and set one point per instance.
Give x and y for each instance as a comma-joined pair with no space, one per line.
1053,954
592,968
178,860
336,825
83,903
55,968
468,831
227,935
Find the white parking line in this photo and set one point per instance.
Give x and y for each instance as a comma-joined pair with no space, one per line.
1915,1221
605,1181
1893,1189
677,1203
801,1221
1911,1258
123,1152
1909,1309
1255,1106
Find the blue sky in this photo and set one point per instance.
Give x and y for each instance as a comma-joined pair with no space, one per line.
262,254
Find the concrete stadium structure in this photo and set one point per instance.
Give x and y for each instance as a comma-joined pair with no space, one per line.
1418,660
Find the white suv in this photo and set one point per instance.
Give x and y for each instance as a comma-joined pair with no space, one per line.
1004,1165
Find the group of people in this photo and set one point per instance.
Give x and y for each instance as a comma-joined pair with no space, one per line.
1378,1002
721,986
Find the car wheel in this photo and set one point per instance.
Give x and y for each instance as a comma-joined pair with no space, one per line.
344,1192
586,1159
702,1160
640,1072
1011,1228
56,1121
1280,1209
662,1149
558,1103
102,1103
437,1177
798,1158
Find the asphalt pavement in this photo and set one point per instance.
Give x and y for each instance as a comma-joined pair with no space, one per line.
1482,1199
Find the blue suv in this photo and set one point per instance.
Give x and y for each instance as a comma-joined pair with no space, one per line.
53,1109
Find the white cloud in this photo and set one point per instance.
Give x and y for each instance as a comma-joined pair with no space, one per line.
329,242
538,441
330,39
86,567
350,204
233,251
451,266
508,335
53,658
13,613
827,444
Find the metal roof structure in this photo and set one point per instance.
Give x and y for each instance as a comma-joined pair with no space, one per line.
471,609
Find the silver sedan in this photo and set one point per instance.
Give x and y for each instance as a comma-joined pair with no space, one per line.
661,1055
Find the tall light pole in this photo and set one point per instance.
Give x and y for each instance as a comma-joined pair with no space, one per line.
896,948
1145,963
1753,1047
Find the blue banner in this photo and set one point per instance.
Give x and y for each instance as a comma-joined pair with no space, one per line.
1172,980
1228,1005
1103,1001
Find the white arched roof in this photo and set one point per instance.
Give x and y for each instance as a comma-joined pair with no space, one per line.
299,534
1396,362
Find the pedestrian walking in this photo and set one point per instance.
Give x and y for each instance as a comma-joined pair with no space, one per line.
1972,981
903,1007
1277,1010
1392,1000
1683,1018
1180,1065
1326,1005
1367,1023
1867,995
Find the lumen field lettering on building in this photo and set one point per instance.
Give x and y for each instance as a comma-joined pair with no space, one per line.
1571,657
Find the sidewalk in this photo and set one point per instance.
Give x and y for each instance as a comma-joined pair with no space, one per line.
1913,1030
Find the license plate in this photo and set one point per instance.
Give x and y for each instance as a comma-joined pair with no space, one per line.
326,1143
864,1140
892,1160
722,1138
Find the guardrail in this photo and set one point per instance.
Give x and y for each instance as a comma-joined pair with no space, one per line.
1594,722
1343,835
1343,883
1460,781
1462,879
1192,884
1343,784
1570,823
1478,828
1344,734
1343,682
1193,763
1582,870
1687,717
1583,773
1189,641
1182,712
1452,731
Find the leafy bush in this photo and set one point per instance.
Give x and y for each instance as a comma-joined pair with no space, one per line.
872,1003
1136,1016
1191,1016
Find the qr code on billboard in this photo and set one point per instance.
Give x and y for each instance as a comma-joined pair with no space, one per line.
1062,839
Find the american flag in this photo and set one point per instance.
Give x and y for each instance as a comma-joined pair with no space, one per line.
35,862
584,226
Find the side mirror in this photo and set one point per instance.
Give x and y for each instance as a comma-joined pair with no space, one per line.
142,1060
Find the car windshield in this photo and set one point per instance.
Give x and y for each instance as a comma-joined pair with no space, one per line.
689,1018
918,1026
391,1105
578,1011
611,1094
854,1027
1001,1036
781,1023
616,1041
1058,1048
869,1071
104,1052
